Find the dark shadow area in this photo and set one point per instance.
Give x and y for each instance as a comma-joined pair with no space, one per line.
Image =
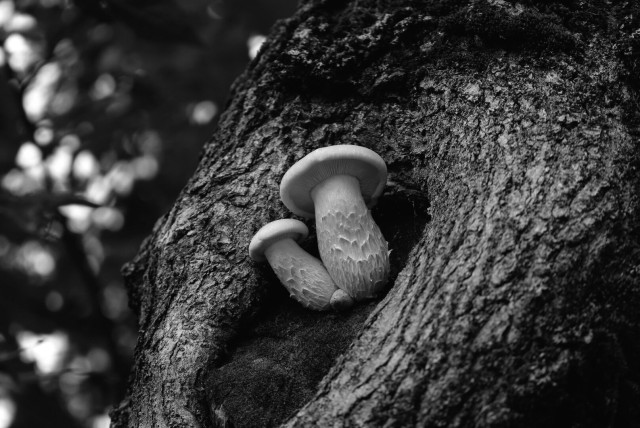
402,214
276,365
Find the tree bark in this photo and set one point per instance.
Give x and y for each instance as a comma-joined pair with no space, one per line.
510,134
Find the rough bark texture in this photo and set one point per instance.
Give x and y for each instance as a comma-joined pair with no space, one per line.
510,133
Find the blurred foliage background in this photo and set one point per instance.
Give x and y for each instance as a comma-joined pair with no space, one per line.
104,107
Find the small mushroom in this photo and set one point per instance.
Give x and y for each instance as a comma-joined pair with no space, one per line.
337,185
302,275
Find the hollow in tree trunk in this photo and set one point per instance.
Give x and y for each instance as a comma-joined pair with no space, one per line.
510,135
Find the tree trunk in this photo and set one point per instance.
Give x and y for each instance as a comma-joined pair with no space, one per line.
510,134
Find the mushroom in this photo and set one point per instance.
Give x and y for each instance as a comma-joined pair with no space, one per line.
338,185
302,275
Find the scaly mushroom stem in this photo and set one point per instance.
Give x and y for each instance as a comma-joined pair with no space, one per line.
305,277
351,245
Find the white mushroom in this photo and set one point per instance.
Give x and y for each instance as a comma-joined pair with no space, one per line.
302,275
338,185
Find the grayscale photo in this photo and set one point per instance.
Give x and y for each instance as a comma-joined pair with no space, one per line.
319,213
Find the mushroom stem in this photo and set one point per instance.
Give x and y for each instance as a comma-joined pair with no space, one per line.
350,242
305,277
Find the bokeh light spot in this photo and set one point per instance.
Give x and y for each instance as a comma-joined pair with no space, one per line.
6,12
150,143
21,22
35,177
93,246
254,43
71,141
59,163
70,382
47,351
35,259
145,167
203,112
7,410
108,218
103,87
22,182
121,177
101,421
41,91
111,58
99,190
28,155
80,365
21,55
101,33
99,359
78,216
54,301
115,301
63,102
79,406
85,165
44,135
66,51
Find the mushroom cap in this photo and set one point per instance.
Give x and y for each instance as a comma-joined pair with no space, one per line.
273,232
362,163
